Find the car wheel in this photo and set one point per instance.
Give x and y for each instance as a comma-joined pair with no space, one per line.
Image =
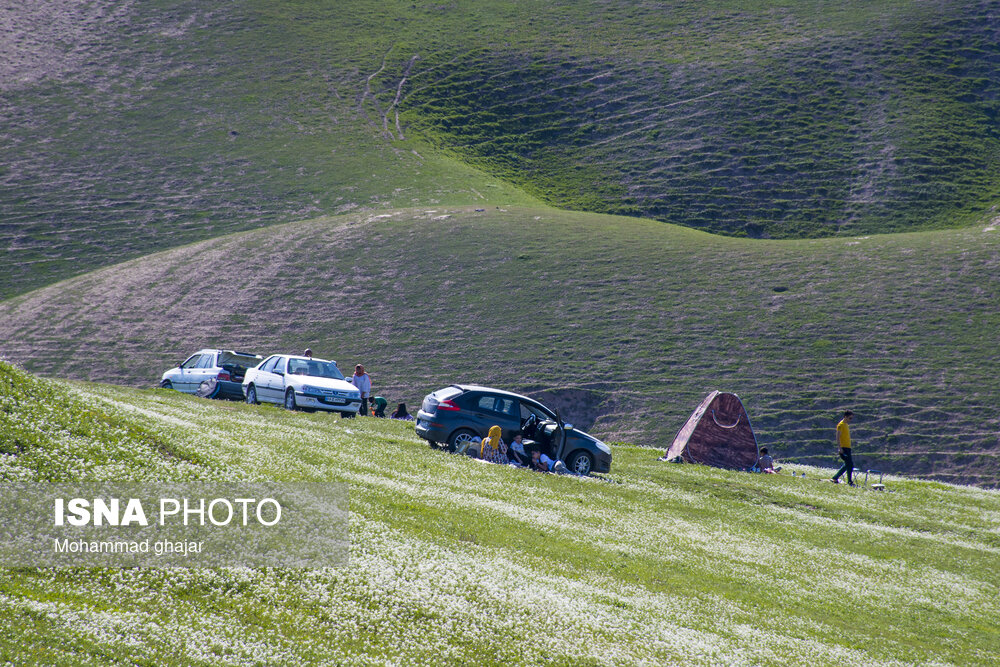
252,395
460,440
581,463
166,384
290,399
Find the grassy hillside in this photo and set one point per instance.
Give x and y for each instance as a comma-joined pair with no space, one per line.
761,118
624,324
148,125
161,123
454,561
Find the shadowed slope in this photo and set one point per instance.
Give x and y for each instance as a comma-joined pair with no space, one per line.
159,123
745,118
638,318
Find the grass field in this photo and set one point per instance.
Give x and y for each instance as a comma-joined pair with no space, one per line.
622,323
455,561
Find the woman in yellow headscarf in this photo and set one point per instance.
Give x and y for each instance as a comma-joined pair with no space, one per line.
492,445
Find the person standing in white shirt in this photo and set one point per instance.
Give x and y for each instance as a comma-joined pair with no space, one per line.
363,382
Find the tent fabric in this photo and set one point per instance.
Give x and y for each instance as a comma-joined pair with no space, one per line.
718,434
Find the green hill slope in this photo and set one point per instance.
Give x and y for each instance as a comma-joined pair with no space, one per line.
159,123
763,119
624,324
455,561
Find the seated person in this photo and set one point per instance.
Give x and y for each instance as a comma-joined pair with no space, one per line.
401,413
517,453
491,447
537,463
378,406
765,463
554,465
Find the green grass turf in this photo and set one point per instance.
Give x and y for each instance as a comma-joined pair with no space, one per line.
624,324
164,123
456,561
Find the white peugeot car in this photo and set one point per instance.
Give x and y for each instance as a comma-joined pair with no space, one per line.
301,382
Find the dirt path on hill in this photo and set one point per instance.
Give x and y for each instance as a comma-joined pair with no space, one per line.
393,108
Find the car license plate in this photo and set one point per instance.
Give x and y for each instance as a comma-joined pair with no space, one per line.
335,401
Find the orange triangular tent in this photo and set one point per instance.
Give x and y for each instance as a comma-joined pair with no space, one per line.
718,433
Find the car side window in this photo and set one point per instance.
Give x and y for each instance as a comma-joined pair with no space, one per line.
206,361
501,404
507,406
192,361
268,366
279,365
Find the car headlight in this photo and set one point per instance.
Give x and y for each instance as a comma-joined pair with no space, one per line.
309,389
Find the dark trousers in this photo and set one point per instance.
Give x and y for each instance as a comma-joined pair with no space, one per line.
848,466
363,410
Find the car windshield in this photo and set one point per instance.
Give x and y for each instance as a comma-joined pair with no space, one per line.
315,368
542,414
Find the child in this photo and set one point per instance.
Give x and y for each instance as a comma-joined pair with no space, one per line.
517,455
765,463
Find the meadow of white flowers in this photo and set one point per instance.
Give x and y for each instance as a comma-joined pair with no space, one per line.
454,561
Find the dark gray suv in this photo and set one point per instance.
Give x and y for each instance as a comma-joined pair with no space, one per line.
462,412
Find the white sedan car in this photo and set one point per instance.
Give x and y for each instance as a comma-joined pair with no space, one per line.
301,382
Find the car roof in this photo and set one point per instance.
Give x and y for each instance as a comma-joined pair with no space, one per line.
212,350
492,390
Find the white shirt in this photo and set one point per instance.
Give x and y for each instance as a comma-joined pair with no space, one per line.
363,383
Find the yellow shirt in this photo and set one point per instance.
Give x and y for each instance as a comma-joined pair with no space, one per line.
844,434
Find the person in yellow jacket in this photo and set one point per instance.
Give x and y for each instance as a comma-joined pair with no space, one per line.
844,443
